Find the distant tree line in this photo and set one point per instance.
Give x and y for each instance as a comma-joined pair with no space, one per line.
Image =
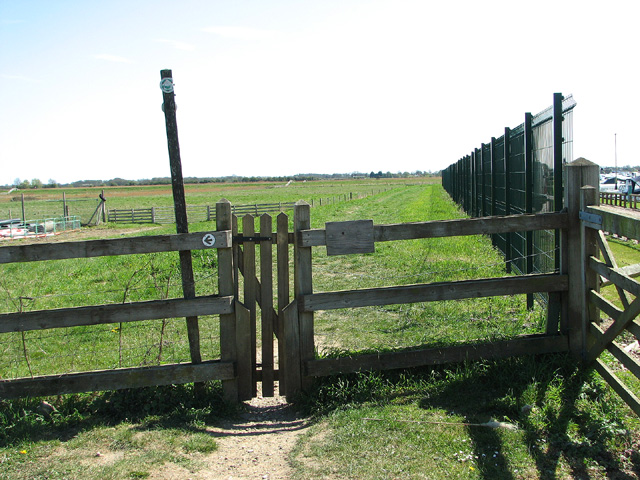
121,182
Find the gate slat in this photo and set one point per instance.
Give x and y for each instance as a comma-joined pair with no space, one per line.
266,305
290,357
249,262
614,330
282,238
614,382
623,357
244,363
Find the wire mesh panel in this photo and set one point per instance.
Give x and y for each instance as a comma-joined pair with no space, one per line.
499,204
516,173
517,196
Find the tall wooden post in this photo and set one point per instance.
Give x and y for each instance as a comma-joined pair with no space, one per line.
579,173
179,201
303,285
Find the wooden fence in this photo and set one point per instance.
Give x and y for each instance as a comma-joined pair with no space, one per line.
620,199
222,304
356,237
195,213
572,321
206,213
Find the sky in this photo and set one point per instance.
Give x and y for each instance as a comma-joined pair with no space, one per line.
281,87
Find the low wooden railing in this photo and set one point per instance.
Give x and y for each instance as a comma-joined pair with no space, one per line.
620,199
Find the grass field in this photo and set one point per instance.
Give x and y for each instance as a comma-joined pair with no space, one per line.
48,202
558,421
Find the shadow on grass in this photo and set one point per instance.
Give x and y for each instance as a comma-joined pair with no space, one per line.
570,417
176,406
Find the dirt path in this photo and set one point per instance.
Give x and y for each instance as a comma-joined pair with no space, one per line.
258,445
255,445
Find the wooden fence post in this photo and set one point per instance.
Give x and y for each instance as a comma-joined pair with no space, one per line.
577,174
228,350
303,285
182,225
588,196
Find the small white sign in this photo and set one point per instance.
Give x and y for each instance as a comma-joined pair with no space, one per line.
167,85
209,240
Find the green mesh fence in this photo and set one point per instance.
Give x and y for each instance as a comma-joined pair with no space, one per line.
519,172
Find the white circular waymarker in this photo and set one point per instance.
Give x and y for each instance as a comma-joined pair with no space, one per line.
166,84
209,240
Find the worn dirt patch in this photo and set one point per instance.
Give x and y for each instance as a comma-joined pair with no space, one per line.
256,445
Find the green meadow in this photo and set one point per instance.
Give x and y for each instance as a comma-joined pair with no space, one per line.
552,419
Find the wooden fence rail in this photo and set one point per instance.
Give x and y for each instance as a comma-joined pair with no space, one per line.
245,286
223,305
195,213
620,199
206,213
354,237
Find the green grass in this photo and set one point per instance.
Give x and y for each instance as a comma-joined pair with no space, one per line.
408,262
401,424
45,203
114,435
424,424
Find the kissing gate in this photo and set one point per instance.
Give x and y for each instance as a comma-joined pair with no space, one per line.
253,275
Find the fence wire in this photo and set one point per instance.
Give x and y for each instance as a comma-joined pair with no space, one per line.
519,172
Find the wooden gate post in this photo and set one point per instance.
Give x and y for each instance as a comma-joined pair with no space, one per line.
589,196
579,173
302,285
228,350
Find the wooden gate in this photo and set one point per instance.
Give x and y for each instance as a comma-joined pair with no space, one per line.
617,327
254,268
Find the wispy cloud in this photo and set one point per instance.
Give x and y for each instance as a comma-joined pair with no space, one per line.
112,58
21,78
177,45
242,33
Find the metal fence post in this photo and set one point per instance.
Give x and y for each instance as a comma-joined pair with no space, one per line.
507,194
557,165
528,182
493,175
